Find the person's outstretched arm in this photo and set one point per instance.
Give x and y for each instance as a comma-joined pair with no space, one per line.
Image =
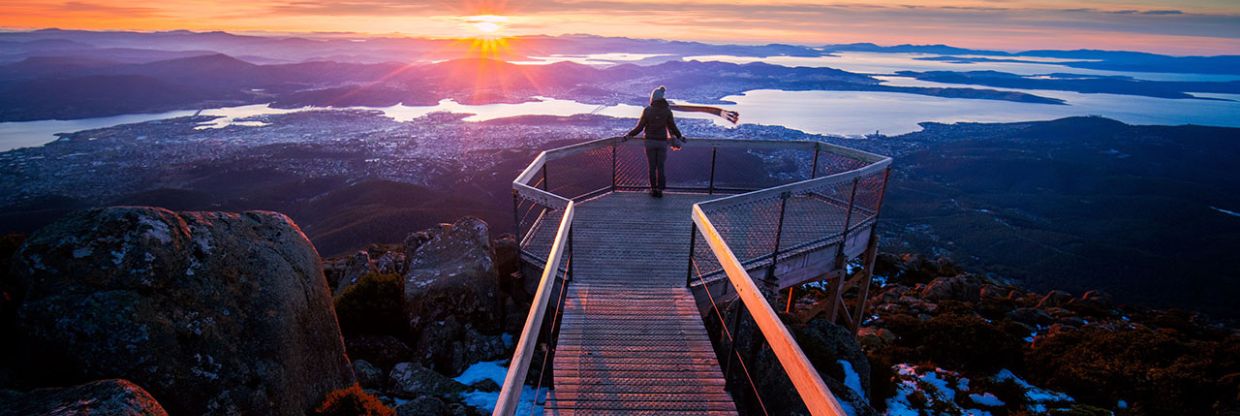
731,116
641,124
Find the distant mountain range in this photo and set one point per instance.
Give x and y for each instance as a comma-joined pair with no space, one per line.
1080,58
35,88
68,74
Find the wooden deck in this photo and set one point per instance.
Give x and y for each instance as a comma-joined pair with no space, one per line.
632,340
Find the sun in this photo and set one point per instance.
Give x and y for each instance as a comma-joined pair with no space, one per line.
488,25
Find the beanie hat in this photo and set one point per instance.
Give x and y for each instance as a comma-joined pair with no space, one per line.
657,94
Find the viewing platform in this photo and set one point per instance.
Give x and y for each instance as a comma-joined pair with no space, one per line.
630,283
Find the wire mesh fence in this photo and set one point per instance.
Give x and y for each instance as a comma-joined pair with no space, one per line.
786,199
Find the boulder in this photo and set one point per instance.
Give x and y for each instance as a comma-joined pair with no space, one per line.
1093,303
452,274
874,338
355,267
1098,297
384,351
989,291
1054,298
449,347
391,262
961,287
1030,316
212,312
828,347
368,375
410,381
423,406
507,255
113,397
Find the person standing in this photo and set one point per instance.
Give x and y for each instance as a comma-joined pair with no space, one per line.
660,131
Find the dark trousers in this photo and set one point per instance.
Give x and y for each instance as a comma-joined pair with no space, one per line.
656,158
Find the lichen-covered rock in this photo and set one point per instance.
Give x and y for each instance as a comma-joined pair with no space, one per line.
1055,298
872,338
113,397
448,346
423,406
368,375
1030,316
212,312
452,273
409,380
830,348
355,267
962,287
383,351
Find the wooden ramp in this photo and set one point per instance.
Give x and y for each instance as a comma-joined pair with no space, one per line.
631,340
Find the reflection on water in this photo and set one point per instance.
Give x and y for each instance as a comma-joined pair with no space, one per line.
15,134
860,112
890,63
849,113
599,59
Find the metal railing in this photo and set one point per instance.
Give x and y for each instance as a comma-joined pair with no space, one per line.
759,223
523,355
809,385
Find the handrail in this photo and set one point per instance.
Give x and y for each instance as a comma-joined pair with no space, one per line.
799,186
532,186
532,169
510,393
809,385
564,151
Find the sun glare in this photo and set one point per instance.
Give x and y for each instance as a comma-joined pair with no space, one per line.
487,25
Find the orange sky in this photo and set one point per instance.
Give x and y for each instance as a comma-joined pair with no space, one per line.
1177,27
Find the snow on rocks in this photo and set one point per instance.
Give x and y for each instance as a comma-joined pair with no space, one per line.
942,391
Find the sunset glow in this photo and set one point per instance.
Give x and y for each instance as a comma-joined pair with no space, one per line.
488,25
1180,27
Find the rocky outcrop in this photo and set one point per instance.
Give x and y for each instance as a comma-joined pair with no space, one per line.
214,313
962,287
933,328
358,265
104,397
410,381
368,375
448,346
452,274
832,350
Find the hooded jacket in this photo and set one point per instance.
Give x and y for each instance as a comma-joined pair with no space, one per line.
658,124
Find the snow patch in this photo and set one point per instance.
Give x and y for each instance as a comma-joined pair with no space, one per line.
159,230
485,400
82,252
986,399
1038,397
852,379
1225,211
485,370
